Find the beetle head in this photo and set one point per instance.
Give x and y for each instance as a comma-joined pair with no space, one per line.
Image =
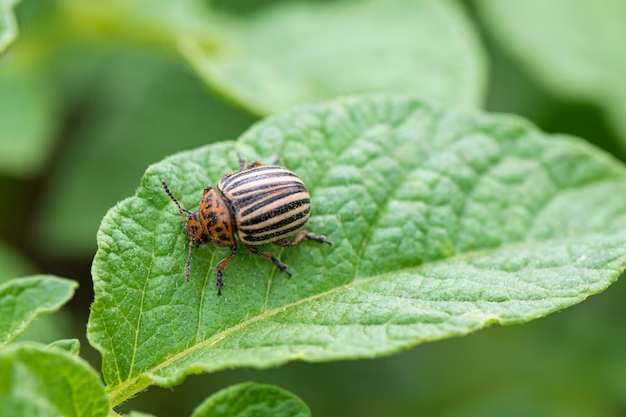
193,226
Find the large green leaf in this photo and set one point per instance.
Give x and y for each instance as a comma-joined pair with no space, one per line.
40,382
22,300
8,26
250,399
303,51
141,106
574,48
444,221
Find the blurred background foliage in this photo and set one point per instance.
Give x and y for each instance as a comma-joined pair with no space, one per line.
92,92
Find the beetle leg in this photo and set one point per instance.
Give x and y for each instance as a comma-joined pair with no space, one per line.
242,163
284,243
220,267
270,256
300,237
311,236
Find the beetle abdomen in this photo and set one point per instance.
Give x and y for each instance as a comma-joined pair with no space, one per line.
269,203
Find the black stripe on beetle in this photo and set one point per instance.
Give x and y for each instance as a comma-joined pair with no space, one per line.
286,196
278,224
250,198
274,213
276,235
259,205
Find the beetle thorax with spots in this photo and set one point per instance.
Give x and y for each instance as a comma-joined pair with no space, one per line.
215,217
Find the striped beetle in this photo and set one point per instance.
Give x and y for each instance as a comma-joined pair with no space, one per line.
261,204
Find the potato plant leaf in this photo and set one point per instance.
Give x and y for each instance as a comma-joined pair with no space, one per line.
36,381
444,221
250,399
574,50
306,51
22,300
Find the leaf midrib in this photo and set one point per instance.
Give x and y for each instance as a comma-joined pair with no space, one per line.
132,386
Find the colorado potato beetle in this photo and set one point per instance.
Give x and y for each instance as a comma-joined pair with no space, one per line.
260,204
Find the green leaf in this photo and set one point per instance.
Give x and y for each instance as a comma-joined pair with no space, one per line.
444,221
138,414
36,381
250,399
46,328
8,26
303,51
574,49
144,107
22,300
69,345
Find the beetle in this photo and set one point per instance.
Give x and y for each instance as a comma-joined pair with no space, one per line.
260,204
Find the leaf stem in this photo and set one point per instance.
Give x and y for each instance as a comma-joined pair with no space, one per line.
128,389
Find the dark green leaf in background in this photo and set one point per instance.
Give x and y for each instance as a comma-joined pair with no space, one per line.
444,221
22,300
573,48
250,399
40,382
299,52
137,107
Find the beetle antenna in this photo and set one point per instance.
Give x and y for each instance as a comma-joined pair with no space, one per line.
180,208
242,162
